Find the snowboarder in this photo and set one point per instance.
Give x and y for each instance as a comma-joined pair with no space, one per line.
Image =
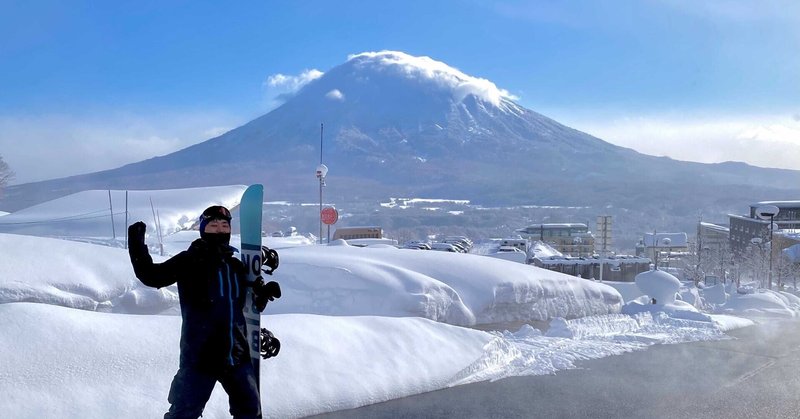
211,287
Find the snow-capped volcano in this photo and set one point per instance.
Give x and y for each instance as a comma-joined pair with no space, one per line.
401,125
436,75
389,115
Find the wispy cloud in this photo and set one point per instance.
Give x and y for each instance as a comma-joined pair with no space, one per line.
293,83
335,94
760,140
48,146
278,88
441,74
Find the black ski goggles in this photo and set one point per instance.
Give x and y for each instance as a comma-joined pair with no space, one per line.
216,212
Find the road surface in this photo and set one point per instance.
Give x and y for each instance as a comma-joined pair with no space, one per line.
755,375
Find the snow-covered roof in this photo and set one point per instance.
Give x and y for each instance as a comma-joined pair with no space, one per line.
779,204
543,250
716,227
746,218
554,225
658,240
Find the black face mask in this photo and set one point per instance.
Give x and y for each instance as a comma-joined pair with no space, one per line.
221,240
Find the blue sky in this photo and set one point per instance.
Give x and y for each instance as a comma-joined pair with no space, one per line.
96,85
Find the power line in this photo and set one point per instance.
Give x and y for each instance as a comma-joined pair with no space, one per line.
77,217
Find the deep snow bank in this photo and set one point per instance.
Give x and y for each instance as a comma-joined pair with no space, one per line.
88,214
459,288
67,363
332,280
78,275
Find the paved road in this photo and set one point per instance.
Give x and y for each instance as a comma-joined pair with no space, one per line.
756,375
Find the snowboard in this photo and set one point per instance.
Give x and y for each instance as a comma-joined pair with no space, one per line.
250,210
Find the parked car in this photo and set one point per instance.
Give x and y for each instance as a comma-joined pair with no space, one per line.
459,246
444,247
415,244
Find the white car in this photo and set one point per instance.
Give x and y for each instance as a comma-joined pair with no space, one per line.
444,247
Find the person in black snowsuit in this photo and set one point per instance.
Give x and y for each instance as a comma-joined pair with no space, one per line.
214,345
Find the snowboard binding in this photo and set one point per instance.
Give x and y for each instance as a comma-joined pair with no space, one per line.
270,260
270,345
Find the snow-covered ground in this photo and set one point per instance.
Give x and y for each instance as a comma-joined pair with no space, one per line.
357,325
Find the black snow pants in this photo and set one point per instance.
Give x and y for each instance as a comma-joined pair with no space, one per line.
191,389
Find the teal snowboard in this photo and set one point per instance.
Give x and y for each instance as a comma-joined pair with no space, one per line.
250,211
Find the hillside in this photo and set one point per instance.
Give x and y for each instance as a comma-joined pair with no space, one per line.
403,126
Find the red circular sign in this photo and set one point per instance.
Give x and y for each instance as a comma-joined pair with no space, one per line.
329,215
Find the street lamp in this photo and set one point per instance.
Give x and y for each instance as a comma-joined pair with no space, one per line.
322,171
768,212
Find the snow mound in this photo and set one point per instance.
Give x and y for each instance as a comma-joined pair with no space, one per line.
659,285
78,275
99,351
592,326
331,280
460,289
715,294
761,303
628,290
87,214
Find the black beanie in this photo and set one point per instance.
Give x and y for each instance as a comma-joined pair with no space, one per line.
214,212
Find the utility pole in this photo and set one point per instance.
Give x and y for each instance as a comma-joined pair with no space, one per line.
604,230
322,171
111,210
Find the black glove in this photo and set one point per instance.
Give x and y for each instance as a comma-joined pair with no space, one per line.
269,261
263,293
136,234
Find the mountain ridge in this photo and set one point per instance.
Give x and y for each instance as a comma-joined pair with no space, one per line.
398,125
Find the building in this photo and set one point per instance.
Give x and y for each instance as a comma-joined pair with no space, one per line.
603,235
622,268
713,248
663,248
745,228
573,239
362,232
712,235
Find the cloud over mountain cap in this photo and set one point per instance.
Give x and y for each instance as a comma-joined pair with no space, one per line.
435,75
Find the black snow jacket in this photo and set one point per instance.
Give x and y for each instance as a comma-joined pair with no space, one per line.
211,287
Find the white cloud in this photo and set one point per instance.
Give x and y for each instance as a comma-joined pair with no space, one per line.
293,83
760,140
438,72
335,94
279,87
43,147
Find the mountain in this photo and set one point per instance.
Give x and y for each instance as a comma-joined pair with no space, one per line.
399,125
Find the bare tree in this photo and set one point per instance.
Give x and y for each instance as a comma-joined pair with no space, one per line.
754,263
787,271
692,264
6,174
